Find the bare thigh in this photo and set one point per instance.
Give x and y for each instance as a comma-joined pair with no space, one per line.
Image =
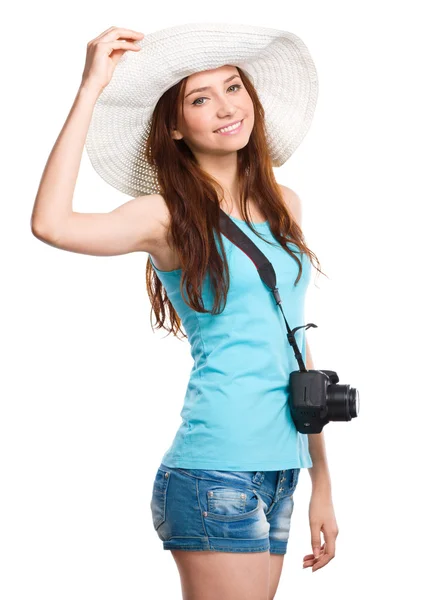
207,575
276,562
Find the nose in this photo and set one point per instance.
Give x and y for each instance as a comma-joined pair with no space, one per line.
227,108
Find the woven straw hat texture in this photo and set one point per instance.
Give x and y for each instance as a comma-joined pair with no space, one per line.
277,62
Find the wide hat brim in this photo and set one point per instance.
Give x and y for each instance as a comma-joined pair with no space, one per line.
277,62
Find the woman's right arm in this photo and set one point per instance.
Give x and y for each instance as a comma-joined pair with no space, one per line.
134,226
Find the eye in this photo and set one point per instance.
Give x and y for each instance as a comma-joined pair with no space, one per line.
235,85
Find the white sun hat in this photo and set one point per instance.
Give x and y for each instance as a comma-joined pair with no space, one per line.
277,63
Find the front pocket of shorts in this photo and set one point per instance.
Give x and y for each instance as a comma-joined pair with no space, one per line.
231,504
158,502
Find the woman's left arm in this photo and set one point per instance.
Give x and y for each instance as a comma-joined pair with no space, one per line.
321,511
319,472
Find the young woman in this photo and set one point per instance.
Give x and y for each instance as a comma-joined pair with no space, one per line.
190,122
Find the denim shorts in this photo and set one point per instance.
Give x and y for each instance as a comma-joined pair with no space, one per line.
225,511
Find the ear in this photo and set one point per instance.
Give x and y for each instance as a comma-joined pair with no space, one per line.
176,135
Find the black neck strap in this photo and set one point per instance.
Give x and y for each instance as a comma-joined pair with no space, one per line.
266,271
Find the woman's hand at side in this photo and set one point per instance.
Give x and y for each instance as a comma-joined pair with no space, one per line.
321,518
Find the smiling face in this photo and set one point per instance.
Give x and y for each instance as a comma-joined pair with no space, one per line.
225,101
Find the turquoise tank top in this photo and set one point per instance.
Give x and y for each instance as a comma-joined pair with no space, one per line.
236,415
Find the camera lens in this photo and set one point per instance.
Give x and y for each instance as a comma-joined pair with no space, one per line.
354,402
343,402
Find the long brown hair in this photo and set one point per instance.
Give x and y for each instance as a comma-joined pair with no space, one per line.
193,199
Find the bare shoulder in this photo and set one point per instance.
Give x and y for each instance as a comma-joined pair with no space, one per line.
161,210
154,213
293,203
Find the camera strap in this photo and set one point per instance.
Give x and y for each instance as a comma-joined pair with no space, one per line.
266,272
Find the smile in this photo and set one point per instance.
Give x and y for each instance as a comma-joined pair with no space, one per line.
233,129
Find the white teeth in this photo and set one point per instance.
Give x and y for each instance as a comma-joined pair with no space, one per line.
229,128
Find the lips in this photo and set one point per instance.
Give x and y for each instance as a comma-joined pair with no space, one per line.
224,126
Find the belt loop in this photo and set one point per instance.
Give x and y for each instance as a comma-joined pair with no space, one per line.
258,477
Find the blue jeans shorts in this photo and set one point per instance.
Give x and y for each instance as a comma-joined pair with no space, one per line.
224,511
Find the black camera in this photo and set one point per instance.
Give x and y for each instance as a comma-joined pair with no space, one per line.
316,399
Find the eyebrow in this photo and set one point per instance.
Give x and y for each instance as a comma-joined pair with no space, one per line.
202,89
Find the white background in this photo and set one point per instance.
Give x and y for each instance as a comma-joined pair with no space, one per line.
91,396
